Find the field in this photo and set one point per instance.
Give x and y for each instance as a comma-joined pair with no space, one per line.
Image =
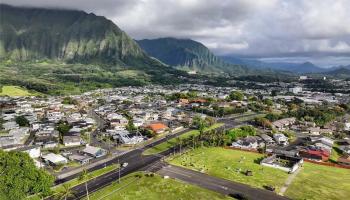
14,91
172,142
139,186
231,164
320,182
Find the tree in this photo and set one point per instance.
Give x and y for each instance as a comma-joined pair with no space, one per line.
22,121
69,100
65,193
236,95
84,176
63,128
20,177
199,123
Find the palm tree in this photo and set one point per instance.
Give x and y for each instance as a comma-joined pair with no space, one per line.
84,176
65,193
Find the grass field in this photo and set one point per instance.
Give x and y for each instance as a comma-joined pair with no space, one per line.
231,164
320,182
172,142
14,91
153,188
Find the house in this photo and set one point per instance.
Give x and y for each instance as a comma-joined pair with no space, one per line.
267,139
345,148
158,127
33,151
281,139
344,160
249,142
283,123
315,154
54,159
71,140
95,152
82,159
283,162
10,125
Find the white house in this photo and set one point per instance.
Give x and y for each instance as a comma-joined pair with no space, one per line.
54,159
33,151
280,139
71,140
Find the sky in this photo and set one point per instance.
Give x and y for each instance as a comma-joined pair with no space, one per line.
270,30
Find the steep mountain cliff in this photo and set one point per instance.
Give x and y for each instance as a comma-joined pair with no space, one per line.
65,35
58,51
187,54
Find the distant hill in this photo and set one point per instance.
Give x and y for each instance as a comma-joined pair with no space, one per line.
189,55
299,68
341,72
68,50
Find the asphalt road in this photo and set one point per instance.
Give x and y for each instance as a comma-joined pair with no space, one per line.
136,162
217,184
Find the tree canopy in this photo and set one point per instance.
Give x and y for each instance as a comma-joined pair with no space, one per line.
22,121
20,178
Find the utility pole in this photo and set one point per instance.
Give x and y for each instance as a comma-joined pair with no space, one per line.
119,166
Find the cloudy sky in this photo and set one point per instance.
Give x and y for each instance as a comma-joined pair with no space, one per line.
273,30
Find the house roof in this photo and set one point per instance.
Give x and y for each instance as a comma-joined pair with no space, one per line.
91,150
344,159
157,126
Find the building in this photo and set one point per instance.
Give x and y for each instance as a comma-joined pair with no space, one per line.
158,127
280,139
246,143
33,151
54,159
283,162
283,123
82,159
315,154
295,90
267,139
95,152
344,160
71,140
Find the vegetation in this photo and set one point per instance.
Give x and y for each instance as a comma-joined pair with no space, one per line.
15,91
241,132
143,186
232,165
320,182
236,95
69,100
20,177
22,121
180,140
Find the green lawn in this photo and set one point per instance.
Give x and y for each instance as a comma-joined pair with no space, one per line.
172,142
231,164
152,188
14,91
320,182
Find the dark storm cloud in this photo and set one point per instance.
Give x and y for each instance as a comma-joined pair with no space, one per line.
263,28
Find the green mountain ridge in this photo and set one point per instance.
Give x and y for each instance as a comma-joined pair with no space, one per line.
63,35
189,55
56,50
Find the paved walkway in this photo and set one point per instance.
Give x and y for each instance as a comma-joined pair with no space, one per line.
289,181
